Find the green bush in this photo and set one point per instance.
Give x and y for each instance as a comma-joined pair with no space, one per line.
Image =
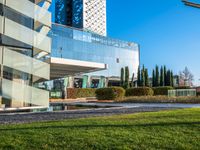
162,90
80,93
140,91
112,93
119,92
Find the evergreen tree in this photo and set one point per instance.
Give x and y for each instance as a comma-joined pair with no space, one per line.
143,76
165,76
138,77
168,78
157,80
127,84
161,77
132,80
146,78
122,77
172,79
153,78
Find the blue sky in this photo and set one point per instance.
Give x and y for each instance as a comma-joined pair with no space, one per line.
168,32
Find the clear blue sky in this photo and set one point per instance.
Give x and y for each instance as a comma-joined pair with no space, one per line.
168,32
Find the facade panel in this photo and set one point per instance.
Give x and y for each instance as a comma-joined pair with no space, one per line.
26,35
31,10
26,64
94,15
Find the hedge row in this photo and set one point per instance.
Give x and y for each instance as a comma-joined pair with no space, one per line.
112,93
80,93
140,91
162,90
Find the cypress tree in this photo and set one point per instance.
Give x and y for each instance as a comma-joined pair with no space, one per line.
157,83
146,78
126,84
143,76
132,80
172,79
138,77
168,78
165,76
153,78
161,77
122,77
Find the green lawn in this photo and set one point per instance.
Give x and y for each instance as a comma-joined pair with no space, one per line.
175,129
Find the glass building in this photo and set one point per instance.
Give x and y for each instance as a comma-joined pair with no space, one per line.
71,43
24,53
89,15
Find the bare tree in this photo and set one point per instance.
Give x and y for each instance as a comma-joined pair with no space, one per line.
186,77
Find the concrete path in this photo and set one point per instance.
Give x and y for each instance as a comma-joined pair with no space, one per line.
120,108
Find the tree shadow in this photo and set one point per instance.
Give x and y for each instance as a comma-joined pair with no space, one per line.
104,126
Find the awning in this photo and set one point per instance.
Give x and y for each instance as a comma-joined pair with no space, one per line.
61,67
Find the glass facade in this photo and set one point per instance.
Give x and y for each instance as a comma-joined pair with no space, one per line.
75,44
88,15
24,53
68,12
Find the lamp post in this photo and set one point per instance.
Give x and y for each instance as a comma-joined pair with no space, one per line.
192,4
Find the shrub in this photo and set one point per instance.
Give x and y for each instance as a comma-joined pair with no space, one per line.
80,93
162,90
105,94
112,93
140,91
161,99
119,92
183,87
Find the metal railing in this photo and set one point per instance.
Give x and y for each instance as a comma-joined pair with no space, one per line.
182,92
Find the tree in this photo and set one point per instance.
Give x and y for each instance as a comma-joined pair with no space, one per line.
122,77
132,80
168,78
172,79
126,83
165,76
161,77
186,77
157,80
153,78
146,78
143,76
138,77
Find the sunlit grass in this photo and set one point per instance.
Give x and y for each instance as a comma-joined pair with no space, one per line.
174,129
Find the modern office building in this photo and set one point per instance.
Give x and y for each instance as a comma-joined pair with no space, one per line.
35,53
88,15
24,52
74,44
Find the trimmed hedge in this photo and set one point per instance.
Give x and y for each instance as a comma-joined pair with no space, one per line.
140,91
183,87
162,90
80,93
112,93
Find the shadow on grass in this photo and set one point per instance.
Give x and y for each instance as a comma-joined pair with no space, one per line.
105,126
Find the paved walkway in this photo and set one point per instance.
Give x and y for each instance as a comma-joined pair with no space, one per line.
118,109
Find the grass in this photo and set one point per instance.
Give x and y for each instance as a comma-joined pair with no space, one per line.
174,129
162,99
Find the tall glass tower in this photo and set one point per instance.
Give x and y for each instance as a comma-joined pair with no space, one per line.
89,15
